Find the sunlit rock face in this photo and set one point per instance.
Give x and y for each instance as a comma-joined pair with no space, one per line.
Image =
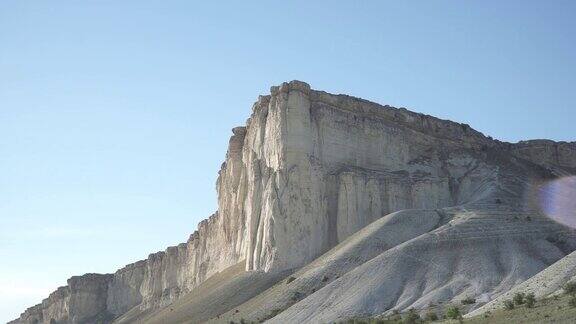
307,171
320,167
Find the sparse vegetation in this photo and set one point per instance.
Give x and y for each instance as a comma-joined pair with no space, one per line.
297,295
509,304
431,317
572,301
272,314
530,300
519,298
411,317
367,321
545,310
395,315
453,312
570,288
468,301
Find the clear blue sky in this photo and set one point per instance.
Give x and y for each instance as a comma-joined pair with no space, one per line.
115,115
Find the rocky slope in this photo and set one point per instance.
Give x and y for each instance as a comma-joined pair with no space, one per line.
304,189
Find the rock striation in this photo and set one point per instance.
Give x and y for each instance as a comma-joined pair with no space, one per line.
309,171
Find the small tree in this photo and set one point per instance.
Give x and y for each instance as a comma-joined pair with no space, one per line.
453,312
519,298
530,300
509,304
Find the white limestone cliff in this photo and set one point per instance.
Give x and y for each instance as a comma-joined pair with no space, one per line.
307,171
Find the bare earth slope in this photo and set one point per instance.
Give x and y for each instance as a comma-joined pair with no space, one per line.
546,283
443,265
359,208
379,236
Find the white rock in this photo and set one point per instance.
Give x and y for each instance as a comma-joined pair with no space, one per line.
308,171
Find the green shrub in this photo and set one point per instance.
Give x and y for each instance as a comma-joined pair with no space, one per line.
570,288
530,300
509,304
468,301
453,312
431,317
519,298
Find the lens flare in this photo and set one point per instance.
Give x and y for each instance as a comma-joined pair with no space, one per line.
558,200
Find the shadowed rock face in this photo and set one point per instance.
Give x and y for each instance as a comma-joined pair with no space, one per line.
306,174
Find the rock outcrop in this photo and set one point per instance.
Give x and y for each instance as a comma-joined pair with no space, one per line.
307,173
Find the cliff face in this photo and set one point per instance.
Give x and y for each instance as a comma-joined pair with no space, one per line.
332,164
547,152
83,300
307,171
